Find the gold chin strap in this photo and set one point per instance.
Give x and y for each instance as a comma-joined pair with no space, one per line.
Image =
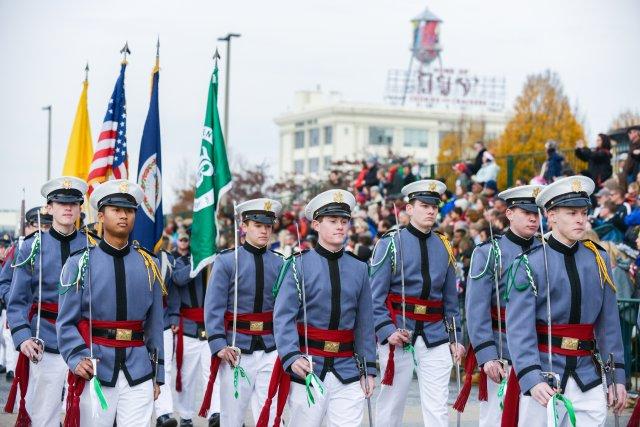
602,266
153,271
447,246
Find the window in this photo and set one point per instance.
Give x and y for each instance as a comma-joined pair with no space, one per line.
314,137
380,136
299,139
416,138
298,166
299,124
327,163
314,165
328,135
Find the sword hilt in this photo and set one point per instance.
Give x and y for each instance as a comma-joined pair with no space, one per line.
552,379
40,343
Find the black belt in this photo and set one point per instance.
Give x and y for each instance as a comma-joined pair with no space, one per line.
254,326
494,323
567,343
421,309
112,334
331,346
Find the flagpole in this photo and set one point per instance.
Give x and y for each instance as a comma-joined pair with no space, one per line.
48,109
125,51
227,39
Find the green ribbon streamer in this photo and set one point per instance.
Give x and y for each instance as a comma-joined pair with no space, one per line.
501,389
494,254
312,380
389,252
78,281
511,277
408,347
35,249
568,406
98,389
237,373
281,275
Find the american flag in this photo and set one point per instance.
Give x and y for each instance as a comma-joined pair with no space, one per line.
110,156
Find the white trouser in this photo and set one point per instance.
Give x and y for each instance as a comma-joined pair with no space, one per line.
128,406
433,371
11,355
196,363
47,379
164,403
342,404
258,366
3,341
590,408
490,411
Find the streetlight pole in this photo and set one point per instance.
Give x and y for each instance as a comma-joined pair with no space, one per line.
227,39
48,109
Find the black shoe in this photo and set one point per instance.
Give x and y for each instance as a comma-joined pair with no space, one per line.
3,369
166,421
186,423
9,376
214,420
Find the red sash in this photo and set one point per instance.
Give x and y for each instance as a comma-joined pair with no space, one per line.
579,331
258,323
280,381
49,312
420,305
195,314
76,383
262,318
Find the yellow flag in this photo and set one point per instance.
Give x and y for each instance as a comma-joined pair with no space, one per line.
80,149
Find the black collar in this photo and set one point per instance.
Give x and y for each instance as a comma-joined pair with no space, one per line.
419,234
61,237
555,244
326,253
520,241
110,250
252,249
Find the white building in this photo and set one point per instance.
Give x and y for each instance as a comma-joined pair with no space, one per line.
322,128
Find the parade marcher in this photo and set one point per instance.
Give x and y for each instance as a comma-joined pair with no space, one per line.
563,321
486,311
32,307
6,276
323,324
257,270
111,312
193,357
171,312
414,293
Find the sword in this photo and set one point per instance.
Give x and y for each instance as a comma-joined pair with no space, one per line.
550,377
304,302
235,287
610,367
402,286
455,340
37,358
496,279
362,368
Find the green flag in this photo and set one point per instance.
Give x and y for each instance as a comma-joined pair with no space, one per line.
212,181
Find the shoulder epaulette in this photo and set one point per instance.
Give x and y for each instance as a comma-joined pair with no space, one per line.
79,251
93,237
139,247
355,256
392,232
596,244
530,250
224,251
30,235
447,246
298,253
153,271
277,253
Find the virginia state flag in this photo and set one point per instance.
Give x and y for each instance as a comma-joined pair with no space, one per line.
149,222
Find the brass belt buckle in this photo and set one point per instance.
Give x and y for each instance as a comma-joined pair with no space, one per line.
331,346
420,309
256,326
569,343
124,334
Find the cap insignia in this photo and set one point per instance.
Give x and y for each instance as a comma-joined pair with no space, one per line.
432,186
576,185
124,187
535,192
267,205
66,184
338,197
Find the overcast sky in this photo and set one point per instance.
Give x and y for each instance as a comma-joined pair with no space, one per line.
346,46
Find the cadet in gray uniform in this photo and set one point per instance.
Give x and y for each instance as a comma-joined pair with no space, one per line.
339,323
488,259
111,314
42,256
421,260
258,269
584,318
